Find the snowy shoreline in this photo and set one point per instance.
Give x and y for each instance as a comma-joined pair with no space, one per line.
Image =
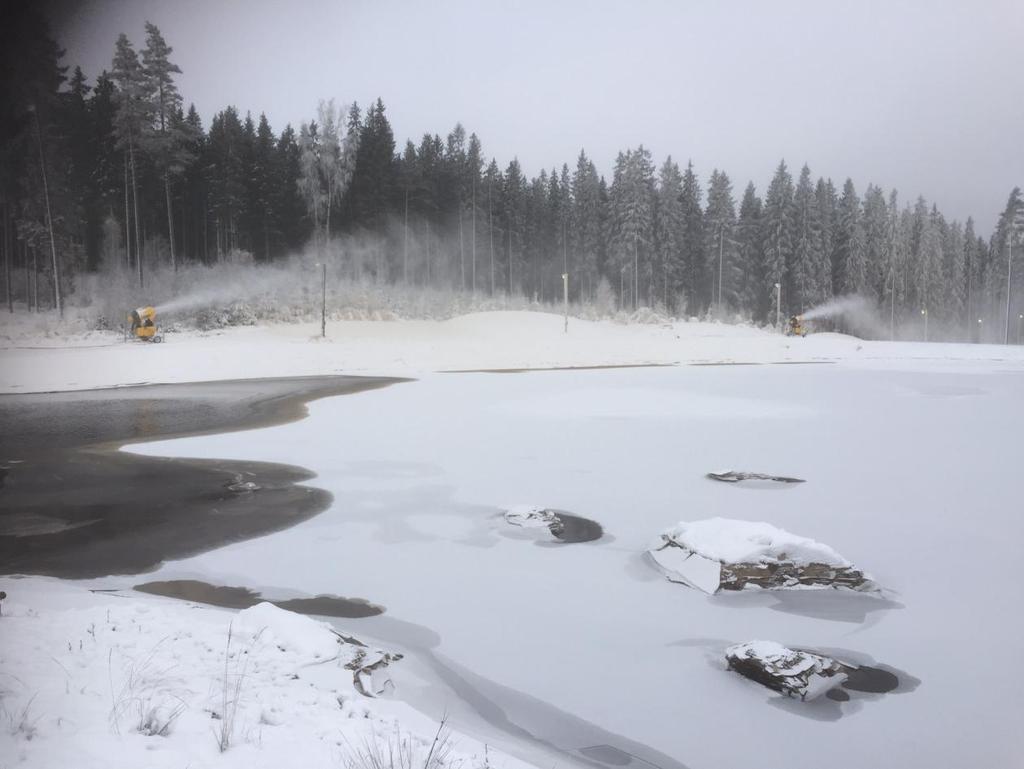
499,341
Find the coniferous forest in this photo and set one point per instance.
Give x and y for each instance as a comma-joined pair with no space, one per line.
116,171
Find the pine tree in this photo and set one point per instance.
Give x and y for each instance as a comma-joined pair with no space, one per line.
586,223
695,274
513,210
778,236
669,226
828,205
131,120
165,140
849,266
803,285
876,241
750,254
720,242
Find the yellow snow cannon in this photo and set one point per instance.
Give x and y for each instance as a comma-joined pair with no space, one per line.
796,326
143,322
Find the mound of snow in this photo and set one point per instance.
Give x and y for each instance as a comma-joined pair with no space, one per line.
789,671
731,554
294,633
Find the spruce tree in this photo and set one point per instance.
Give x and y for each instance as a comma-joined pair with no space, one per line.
750,254
804,285
720,242
669,225
695,274
778,238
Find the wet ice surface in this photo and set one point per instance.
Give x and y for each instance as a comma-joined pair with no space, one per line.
550,643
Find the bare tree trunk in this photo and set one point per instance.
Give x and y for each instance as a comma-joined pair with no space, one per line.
135,201
28,279
127,219
462,252
170,221
8,242
405,252
490,233
474,232
49,218
35,281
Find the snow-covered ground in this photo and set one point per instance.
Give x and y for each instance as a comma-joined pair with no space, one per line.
493,340
909,452
122,680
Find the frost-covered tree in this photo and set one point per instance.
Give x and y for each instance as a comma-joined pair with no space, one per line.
749,254
876,240
694,262
849,267
631,210
669,225
804,279
586,223
720,242
778,235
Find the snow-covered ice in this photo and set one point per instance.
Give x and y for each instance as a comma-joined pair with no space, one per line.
911,450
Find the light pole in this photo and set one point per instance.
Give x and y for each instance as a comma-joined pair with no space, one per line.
778,306
1009,273
1014,222
565,297
924,314
323,298
892,305
1020,320
979,330
721,243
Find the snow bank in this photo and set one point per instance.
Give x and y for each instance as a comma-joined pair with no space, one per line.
112,681
31,361
289,632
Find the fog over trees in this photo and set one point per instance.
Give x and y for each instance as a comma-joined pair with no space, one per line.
115,171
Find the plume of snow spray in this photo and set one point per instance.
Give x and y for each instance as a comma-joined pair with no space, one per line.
857,312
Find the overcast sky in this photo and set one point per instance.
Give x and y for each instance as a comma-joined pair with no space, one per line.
921,95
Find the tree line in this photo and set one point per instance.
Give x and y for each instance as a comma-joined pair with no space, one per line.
118,174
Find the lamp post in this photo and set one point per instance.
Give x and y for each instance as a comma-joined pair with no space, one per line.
1020,320
892,304
924,314
979,330
778,305
565,297
323,298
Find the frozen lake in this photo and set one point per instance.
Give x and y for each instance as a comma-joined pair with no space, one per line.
911,474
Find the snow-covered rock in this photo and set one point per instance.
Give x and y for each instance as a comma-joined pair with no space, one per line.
722,553
792,672
531,517
736,476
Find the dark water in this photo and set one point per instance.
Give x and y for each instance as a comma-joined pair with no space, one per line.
73,506
243,598
577,529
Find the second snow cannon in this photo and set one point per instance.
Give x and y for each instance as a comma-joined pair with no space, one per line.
143,322
796,326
